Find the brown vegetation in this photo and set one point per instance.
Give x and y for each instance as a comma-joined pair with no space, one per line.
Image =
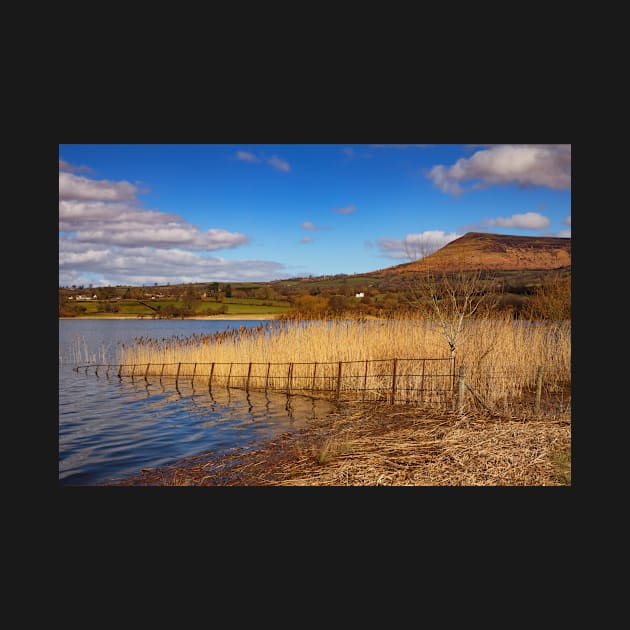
375,445
486,251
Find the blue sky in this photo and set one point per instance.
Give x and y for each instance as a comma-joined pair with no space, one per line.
153,213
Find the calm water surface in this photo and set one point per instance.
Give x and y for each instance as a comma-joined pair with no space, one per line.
111,428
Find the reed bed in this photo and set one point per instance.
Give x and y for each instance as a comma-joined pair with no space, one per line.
501,357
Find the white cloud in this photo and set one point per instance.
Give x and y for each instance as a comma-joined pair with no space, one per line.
130,226
347,210
279,164
78,188
523,164
274,161
71,168
106,237
528,221
308,225
564,233
307,239
567,220
415,246
246,156
74,215
148,265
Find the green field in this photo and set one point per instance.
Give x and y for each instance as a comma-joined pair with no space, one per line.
135,308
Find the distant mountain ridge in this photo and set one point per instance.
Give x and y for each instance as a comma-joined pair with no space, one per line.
480,250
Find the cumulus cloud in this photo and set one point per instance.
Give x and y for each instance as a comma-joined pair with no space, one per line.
77,188
527,220
415,246
567,220
307,239
274,161
79,263
104,230
564,233
523,164
346,210
131,226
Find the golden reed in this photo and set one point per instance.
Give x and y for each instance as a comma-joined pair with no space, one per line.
500,356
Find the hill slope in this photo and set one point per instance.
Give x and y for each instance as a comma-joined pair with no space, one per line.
479,250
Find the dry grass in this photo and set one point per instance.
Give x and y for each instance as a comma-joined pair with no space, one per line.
378,445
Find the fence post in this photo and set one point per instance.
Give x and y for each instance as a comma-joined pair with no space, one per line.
365,380
177,375
210,377
314,373
229,375
394,381
289,375
249,371
192,380
422,383
339,380
539,375
146,371
267,377
460,395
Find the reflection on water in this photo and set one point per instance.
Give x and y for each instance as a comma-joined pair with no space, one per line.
111,428
114,427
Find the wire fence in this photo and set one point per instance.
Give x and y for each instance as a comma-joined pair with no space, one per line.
433,382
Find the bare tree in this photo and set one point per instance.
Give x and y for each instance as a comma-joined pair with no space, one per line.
453,298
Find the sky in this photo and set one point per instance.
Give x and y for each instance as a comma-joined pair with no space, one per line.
146,214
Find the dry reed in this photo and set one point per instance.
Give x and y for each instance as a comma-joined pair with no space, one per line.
500,357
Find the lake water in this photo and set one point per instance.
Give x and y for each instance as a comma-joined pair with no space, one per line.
111,428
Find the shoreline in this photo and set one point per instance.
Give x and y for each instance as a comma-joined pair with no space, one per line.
388,445
228,317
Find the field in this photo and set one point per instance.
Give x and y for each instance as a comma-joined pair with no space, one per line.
150,308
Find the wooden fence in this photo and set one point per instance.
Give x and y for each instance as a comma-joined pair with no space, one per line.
420,381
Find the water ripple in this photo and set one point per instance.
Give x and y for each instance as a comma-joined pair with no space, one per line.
111,428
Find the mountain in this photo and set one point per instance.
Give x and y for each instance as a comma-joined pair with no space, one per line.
497,252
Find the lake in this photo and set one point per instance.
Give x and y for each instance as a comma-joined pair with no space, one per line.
111,428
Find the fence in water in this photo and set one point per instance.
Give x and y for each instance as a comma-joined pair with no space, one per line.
433,382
